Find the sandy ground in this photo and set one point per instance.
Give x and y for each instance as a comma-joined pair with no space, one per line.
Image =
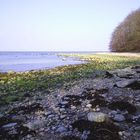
123,54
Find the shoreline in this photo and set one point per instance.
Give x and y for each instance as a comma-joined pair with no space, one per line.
34,89
68,111
62,74
80,57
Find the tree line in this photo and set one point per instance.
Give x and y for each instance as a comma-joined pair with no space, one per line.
126,36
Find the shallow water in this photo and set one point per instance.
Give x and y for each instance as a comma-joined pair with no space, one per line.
25,61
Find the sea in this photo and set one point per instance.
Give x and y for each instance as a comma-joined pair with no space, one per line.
26,61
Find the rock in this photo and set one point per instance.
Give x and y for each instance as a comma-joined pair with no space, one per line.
35,125
9,125
1,115
48,113
137,128
89,105
85,135
83,111
97,109
81,116
113,113
62,116
124,73
137,135
127,134
96,116
120,133
61,129
73,107
19,118
62,109
64,102
27,95
135,67
119,118
125,83
138,107
122,106
29,136
51,116
108,75
102,73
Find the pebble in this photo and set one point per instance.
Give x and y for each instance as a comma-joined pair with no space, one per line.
119,118
96,116
61,129
73,107
126,134
120,133
29,136
35,125
51,116
62,109
113,112
89,105
1,115
97,109
137,128
19,118
60,118
64,102
138,107
125,83
9,125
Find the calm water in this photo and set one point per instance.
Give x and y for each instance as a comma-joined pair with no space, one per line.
24,61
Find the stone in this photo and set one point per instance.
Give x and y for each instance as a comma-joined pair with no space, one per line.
9,125
96,116
29,136
27,95
125,83
51,116
62,109
120,133
47,113
64,102
119,118
89,105
61,129
97,109
35,125
1,115
138,107
137,135
19,118
73,107
62,116
113,112
137,128
108,75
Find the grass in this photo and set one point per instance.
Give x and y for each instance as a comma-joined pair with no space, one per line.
14,86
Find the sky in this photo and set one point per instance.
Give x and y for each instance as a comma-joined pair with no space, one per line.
61,25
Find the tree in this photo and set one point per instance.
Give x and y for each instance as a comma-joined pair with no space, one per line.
126,36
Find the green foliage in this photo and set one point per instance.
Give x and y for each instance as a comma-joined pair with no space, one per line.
126,37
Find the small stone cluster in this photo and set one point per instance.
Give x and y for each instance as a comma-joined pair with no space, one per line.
103,108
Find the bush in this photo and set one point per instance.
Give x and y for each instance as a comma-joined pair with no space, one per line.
126,36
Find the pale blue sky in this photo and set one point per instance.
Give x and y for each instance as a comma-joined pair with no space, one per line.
60,25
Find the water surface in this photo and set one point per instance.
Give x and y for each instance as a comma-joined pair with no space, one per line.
25,61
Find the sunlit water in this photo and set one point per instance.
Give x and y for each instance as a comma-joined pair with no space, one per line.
25,61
